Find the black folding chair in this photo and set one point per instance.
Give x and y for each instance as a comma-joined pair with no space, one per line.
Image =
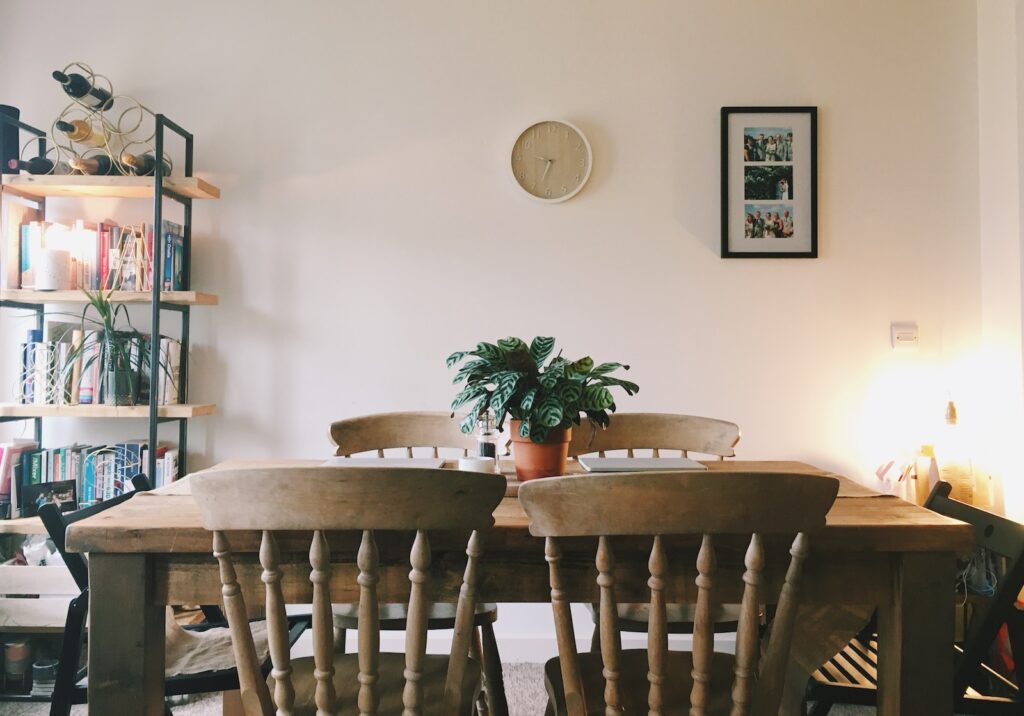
70,686
851,676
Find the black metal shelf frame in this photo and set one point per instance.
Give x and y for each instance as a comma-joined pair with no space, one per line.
160,192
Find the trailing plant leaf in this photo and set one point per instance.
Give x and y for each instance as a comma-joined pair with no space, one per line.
524,429
540,348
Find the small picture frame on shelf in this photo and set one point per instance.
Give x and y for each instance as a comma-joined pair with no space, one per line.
769,182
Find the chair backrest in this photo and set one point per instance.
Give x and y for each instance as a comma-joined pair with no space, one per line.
681,503
56,524
1002,537
656,432
400,430
328,499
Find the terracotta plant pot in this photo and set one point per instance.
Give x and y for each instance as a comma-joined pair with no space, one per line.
546,459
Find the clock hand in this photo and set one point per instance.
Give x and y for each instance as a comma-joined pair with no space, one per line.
547,167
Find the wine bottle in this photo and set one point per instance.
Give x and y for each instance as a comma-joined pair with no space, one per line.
143,164
80,131
96,164
39,165
77,86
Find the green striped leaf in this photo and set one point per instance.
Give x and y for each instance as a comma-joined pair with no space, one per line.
527,402
466,371
548,379
549,413
541,348
503,392
468,394
524,429
456,357
569,392
583,365
468,423
605,368
512,344
629,387
596,397
488,351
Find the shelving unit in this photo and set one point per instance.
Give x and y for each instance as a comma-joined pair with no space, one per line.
35,189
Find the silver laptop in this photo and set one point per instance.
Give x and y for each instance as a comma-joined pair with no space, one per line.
638,464
429,462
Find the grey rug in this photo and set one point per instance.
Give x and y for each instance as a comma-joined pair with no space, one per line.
524,685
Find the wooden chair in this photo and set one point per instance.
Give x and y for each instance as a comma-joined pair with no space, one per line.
851,676
436,431
70,686
657,432
621,507
327,500
377,433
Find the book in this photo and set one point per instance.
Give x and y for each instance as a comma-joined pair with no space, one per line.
88,387
10,472
15,211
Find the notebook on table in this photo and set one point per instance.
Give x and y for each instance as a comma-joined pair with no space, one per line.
638,464
428,462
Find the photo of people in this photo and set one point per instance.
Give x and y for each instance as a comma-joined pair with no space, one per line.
768,144
768,183
768,221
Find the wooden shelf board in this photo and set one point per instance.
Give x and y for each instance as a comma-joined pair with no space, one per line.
115,187
22,526
183,298
16,410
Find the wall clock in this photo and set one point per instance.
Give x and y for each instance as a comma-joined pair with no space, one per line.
551,161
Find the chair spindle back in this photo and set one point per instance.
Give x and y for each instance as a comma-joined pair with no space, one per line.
407,430
657,432
360,502
661,505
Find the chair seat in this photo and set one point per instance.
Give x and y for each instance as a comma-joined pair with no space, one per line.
678,617
392,616
390,685
634,685
853,673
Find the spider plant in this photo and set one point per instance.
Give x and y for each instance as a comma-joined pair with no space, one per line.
120,366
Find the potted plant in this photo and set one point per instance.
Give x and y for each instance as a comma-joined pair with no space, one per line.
121,354
544,401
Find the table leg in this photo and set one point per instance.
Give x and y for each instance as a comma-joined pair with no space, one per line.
126,637
915,637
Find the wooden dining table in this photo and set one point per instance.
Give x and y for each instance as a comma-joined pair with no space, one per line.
876,551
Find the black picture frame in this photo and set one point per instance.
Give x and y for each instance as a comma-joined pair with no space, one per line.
729,250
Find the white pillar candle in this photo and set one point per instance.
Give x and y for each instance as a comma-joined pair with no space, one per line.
53,270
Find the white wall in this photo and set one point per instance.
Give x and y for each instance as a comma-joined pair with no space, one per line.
368,226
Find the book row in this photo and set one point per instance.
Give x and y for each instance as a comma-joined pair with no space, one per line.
106,256
76,475
65,365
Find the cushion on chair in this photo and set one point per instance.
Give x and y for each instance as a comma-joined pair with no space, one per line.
194,652
634,685
440,615
390,685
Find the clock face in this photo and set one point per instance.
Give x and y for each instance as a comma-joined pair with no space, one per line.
551,161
